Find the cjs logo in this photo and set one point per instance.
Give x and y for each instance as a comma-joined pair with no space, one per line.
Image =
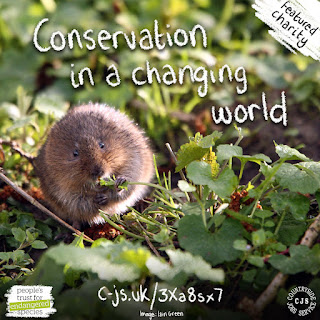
301,301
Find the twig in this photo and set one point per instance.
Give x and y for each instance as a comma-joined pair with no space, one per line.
175,160
255,309
40,206
152,247
128,233
155,251
15,147
183,177
312,232
270,293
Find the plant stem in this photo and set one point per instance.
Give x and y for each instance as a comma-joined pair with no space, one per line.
239,139
128,233
254,179
203,211
264,186
183,177
225,15
241,171
157,187
280,222
244,258
239,216
271,190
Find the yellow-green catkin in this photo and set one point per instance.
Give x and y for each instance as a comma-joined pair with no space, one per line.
211,158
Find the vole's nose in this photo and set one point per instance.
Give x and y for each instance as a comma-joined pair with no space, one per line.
96,172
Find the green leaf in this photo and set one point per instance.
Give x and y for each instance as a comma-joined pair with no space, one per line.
10,110
5,230
271,69
51,104
184,262
266,170
277,246
312,168
4,256
218,219
249,275
23,122
95,260
18,234
185,186
227,151
297,180
44,230
256,158
189,152
291,230
71,276
162,236
258,237
25,220
263,214
31,236
301,259
269,224
191,208
297,204
18,256
14,71
225,184
199,172
11,266
137,258
195,208
209,141
38,244
214,247
99,242
285,152
107,182
256,261
78,242
240,244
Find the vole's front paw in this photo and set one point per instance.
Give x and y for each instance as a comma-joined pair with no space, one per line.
120,181
101,199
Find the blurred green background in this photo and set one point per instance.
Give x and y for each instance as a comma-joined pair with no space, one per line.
35,88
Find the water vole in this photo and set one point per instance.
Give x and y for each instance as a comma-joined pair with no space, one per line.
91,142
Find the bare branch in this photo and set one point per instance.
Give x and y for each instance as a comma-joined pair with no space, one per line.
16,148
175,160
312,233
39,205
255,308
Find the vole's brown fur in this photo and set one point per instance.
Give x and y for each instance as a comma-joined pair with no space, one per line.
93,141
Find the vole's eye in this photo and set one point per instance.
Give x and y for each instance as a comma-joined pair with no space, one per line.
101,145
75,153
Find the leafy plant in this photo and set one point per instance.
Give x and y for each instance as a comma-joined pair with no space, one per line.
227,229
217,228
